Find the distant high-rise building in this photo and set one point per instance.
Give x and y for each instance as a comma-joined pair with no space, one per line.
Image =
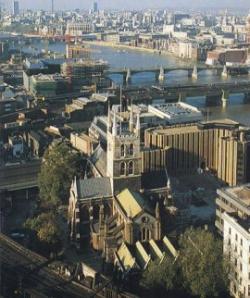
52,6
16,8
95,7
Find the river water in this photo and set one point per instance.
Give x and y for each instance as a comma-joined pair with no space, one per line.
236,109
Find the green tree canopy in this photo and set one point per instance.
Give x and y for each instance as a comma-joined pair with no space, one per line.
204,269
46,227
161,276
57,171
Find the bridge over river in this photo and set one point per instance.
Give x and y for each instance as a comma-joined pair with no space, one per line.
192,71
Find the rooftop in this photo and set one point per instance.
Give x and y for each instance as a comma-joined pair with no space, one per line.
176,112
132,203
180,129
240,193
94,187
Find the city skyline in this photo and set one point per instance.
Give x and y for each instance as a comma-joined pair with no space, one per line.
119,4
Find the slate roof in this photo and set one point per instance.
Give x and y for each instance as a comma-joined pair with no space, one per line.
99,159
94,188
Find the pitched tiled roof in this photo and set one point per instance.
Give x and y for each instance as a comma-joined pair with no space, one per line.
132,203
94,187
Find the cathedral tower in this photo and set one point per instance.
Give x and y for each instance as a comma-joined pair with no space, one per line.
123,152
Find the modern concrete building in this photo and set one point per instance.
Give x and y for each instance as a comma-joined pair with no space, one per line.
16,8
44,86
233,201
85,73
222,146
78,29
174,113
77,51
236,245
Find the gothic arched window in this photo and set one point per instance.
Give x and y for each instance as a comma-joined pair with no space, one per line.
145,234
131,168
131,149
123,169
123,150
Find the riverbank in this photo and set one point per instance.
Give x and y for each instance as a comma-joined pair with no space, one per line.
138,49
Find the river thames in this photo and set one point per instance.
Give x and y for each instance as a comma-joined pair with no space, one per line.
236,109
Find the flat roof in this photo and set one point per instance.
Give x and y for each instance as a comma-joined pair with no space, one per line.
193,127
242,193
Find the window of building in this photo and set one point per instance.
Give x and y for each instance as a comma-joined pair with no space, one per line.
236,237
131,149
131,168
235,249
123,150
229,241
240,267
241,241
146,235
230,231
248,275
241,253
123,169
235,262
249,290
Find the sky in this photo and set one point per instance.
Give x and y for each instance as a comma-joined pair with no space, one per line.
132,4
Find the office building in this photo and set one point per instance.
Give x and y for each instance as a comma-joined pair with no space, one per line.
236,246
222,146
233,201
77,51
44,86
78,29
84,73
174,113
95,6
16,8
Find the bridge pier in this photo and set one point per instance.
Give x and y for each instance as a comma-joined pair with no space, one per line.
225,98
182,96
128,77
224,73
161,75
195,73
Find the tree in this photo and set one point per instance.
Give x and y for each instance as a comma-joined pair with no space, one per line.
46,227
204,269
161,275
57,171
